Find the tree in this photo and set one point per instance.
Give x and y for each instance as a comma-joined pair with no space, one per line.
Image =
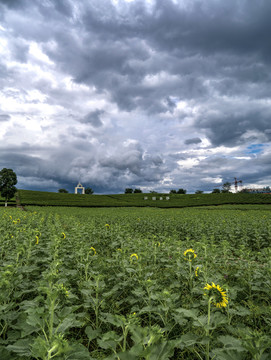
173,192
216,191
89,191
8,180
198,192
128,191
64,191
226,187
137,191
181,191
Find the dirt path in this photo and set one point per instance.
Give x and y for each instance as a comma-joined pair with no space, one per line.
18,203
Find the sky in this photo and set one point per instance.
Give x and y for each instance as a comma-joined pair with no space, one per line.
149,94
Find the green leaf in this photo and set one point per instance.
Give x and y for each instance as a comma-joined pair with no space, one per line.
92,333
21,347
188,313
220,354
5,354
117,320
78,352
39,348
109,340
187,340
68,323
160,351
231,343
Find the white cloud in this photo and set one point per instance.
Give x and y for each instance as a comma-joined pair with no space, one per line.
36,51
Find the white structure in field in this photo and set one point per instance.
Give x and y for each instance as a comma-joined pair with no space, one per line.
79,187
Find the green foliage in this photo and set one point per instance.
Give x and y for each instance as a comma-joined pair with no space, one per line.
88,191
63,191
198,192
8,180
226,187
216,191
181,191
137,191
151,304
128,191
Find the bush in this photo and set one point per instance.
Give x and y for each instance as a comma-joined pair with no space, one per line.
64,191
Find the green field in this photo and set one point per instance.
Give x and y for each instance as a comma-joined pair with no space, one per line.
11,202
135,283
43,198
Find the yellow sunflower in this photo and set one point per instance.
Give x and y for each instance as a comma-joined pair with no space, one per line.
92,250
219,296
134,256
189,254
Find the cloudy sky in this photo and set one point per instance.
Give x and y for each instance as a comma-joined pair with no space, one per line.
150,94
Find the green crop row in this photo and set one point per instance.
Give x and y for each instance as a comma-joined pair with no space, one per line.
28,197
135,283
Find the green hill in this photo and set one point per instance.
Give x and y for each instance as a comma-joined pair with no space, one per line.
43,198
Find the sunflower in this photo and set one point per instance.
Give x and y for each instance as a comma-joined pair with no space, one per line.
189,254
92,250
218,295
134,256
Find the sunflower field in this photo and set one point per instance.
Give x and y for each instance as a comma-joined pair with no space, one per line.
135,283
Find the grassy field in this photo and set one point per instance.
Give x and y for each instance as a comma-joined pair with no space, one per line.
135,283
28,197
10,202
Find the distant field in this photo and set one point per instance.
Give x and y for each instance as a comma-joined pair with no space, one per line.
43,198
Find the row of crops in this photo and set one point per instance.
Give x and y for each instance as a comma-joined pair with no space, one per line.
43,198
137,283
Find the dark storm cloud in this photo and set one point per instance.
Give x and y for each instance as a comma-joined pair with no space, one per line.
19,50
93,118
230,127
199,70
119,47
13,3
193,141
240,27
115,53
4,117
23,164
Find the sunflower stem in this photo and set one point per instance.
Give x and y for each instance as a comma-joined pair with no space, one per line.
207,328
190,275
